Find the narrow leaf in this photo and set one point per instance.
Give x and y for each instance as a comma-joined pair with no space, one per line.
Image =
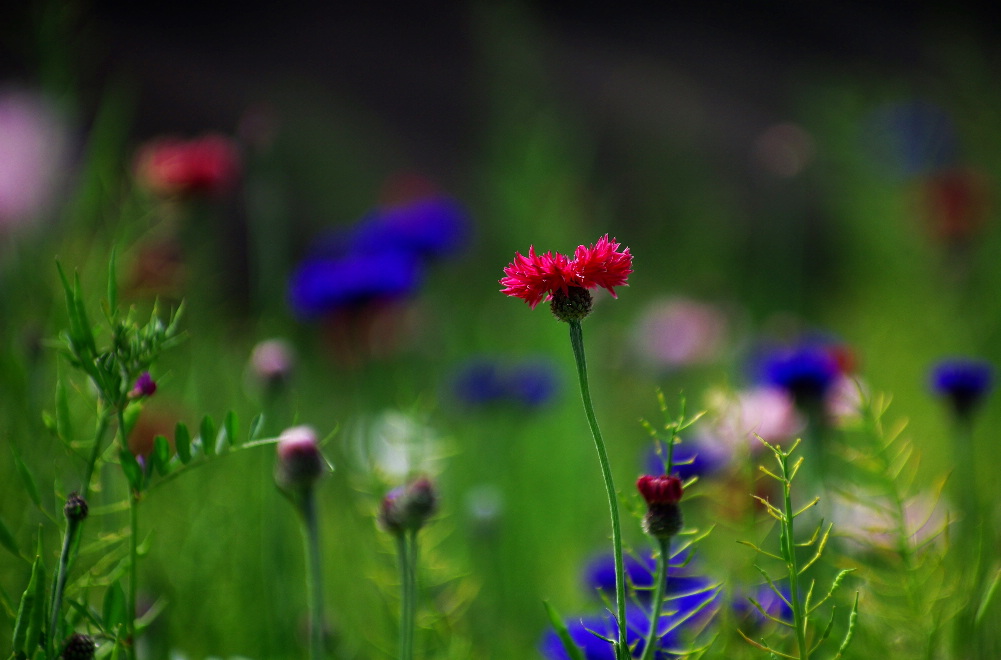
64,424
230,425
36,621
207,431
182,442
27,477
563,633
26,610
114,611
130,466
7,540
256,426
112,284
161,455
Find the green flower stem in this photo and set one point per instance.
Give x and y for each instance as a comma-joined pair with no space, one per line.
660,586
60,585
130,606
577,342
103,421
406,544
314,578
788,543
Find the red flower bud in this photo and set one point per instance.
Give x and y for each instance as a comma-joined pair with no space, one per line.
660,489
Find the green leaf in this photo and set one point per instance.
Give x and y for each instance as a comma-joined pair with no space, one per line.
7,540
113,610
131,416
36,621
64,424
230,425
182,442
563,633
207,431
27,477
256,426
26,610
130,466
112,284
161,455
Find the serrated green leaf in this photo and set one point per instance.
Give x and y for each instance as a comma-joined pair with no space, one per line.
8,541
231,427
207,430
182,442
130,466
113,611
563,633
29,480
161,455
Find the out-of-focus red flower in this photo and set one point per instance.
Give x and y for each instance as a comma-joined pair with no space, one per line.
536,277
660,489
208,165
956,203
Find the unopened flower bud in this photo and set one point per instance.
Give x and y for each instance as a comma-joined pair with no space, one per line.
145,386
409,507
272,362
299,463
662,494
76,508
79,647
573,305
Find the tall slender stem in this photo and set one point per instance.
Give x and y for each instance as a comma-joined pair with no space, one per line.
406,549
660,587
577,343
60,586
314,578
130,606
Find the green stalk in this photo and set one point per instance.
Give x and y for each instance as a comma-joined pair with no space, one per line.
130,606
314,579
60,585
660,586
577,343
789,554
407,551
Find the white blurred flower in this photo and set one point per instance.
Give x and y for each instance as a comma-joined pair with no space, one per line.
870,521
393,446
34,150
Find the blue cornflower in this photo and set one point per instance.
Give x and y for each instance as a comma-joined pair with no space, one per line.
323,285
963,382
696,458
595,648
428,227
807,371
686,587
485,382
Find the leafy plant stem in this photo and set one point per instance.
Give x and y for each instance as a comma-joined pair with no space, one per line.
660,586
60,584
789,554
577,343
406,544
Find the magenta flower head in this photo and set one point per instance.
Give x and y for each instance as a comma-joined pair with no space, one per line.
557,277
409,507
300,463
662,494
145,387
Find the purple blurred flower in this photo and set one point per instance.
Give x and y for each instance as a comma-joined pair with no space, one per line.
680,332
963,383
33,157
595,648
698,457
429,227
487,382
911,138
806,371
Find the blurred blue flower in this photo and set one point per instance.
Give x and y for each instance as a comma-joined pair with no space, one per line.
429,227
686,585
486,381
695,458
323,285
595,648
963,382
911,138
806,371
770,602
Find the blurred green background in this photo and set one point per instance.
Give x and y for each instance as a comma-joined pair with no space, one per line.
832,168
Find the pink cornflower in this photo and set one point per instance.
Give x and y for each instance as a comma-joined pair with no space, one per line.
537,277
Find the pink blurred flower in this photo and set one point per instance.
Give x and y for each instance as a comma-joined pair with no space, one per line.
678,332
33,156
537,276
208,165
870,521
767,412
